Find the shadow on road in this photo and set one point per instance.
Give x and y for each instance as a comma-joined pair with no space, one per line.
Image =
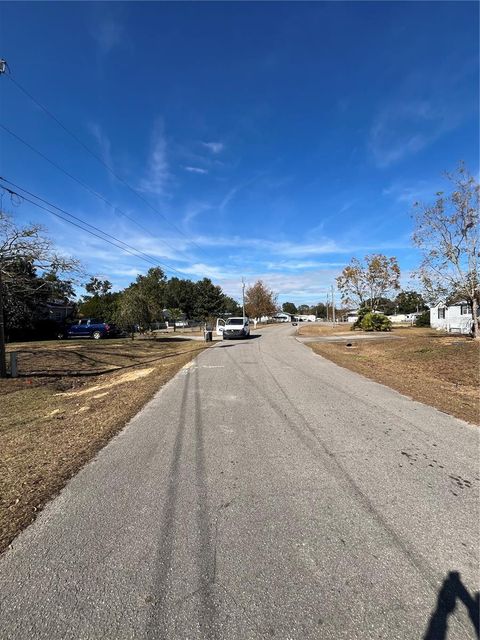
242,340
452,590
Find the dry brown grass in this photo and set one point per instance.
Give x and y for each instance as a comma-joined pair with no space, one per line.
434,368
71,399
309,329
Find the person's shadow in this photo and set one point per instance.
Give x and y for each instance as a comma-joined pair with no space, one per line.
452,590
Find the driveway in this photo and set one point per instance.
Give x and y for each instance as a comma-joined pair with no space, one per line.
263,493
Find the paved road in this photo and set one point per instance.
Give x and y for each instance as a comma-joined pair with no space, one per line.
263,493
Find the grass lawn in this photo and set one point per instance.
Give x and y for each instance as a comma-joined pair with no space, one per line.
71,398
438,369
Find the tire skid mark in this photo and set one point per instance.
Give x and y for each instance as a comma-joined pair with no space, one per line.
317,448
207,533
157,621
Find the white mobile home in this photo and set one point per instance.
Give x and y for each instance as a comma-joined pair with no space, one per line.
282,317
455,318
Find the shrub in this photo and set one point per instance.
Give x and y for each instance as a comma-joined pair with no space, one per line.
375,322
423,320
362,312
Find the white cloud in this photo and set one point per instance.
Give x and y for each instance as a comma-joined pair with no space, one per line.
405,127
230,195
157,171
193,210
410,193
214,147
104,145
108,34
312,286
196,170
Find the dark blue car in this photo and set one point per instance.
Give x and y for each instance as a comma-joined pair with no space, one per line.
90,328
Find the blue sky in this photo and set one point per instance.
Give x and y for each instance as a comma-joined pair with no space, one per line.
278,139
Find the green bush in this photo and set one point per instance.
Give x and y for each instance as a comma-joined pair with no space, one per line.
375,322
423,320
362,312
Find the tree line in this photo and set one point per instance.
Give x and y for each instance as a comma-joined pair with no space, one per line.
404,302
446,233
154,298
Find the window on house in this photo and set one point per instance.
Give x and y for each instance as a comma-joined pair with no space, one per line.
441,313
465,309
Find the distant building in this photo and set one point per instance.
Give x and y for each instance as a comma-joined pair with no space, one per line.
282,316
404,318
305,317
57,311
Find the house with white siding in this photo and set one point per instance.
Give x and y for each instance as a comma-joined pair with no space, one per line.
454,318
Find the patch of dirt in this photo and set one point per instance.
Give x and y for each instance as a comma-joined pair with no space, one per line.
125,377
47,433
427,366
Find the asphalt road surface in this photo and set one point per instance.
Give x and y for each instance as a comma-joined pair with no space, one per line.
263,493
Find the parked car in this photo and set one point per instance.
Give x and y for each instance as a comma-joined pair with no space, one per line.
89,328
236,328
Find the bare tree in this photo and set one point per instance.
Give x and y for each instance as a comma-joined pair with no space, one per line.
25,245
365,283
447,234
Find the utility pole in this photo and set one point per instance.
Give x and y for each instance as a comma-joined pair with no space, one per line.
3,363
243,297
333,306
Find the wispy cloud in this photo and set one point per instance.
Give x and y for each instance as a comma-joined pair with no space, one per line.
194,210
196,170
228,198
405,128
158,170
410,193
311,286
108,33
422,108
214,147
104,144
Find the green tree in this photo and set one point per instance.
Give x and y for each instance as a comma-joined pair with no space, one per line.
231,307
365,283
382,304
143,301
447,234
304,309
104,306
409,302
102,303
98,287
209,300
289,307
133,309
174,315
320,310
152,287
180,294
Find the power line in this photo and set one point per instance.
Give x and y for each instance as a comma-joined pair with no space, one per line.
97,157
83,184
123,246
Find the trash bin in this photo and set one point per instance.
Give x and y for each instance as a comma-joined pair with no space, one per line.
208,336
